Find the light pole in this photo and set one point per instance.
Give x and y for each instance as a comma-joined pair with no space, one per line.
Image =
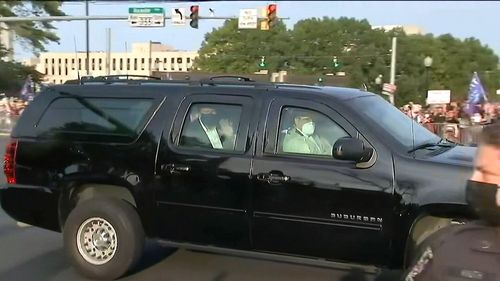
392,78
87,54
427,64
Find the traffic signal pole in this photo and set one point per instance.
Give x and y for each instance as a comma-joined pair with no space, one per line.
75,18
87,63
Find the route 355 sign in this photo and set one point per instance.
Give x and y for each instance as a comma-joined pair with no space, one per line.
146,17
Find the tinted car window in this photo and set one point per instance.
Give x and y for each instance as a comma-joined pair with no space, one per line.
211,126
392,121
95,116
307,132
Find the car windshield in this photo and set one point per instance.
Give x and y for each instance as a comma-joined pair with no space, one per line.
392,121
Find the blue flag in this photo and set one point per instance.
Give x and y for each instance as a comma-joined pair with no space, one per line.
477,95
27,93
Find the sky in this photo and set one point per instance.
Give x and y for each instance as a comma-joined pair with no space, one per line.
462,19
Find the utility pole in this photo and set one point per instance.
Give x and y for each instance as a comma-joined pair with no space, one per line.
87,34
393,67
149,60
108,51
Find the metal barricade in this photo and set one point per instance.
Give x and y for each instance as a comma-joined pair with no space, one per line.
460,133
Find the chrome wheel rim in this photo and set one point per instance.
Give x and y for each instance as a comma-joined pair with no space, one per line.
96,240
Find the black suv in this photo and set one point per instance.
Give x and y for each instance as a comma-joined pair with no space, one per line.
304,173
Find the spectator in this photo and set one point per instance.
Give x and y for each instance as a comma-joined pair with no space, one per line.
439,116
470,251
451,117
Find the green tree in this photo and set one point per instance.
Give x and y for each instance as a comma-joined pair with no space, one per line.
31,35
228,49
13,74
363,52
454,62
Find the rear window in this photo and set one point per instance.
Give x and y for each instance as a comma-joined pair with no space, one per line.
88,118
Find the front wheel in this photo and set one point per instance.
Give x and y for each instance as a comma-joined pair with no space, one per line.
103,238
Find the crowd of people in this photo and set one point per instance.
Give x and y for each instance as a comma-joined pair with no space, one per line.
10,109
453,121
455,113
12,106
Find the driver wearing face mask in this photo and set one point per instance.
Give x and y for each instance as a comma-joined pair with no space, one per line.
302,138
470,251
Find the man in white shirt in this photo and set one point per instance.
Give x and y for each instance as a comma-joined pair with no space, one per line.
207,129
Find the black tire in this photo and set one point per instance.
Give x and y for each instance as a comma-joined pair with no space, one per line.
129,242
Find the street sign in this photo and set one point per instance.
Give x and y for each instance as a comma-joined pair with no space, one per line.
248,19
438,96
146,17
389,88
178,16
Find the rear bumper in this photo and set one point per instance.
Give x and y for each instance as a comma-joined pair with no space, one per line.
33,205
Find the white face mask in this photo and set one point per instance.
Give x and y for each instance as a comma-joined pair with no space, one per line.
308,128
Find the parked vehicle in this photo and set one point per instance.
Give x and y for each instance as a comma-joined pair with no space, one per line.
216,164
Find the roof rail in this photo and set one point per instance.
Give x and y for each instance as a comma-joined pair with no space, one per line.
223,80
119,77
298,86
237,81
239,78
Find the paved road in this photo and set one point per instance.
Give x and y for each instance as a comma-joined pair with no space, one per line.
33,254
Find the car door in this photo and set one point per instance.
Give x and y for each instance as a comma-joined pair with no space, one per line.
311,204
203,197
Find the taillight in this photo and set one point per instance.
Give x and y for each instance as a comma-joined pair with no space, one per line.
9,161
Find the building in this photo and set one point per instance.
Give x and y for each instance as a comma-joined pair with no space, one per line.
144,59
408,29
7,41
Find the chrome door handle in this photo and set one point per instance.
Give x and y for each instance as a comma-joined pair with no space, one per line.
273,178
176,168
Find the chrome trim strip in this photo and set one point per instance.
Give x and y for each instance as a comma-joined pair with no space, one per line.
202,207
333,222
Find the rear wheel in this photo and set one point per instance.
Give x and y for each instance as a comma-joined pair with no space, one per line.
103,238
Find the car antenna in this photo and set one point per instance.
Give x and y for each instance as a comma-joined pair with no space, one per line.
76,61
410,106
126,55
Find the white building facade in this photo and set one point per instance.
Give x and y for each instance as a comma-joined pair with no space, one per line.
143,60
408,29
7,41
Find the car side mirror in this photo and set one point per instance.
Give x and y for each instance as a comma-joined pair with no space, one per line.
352,149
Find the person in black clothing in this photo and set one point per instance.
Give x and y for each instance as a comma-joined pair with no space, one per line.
439,116
470,251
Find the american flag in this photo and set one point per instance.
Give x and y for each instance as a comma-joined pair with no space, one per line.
477,94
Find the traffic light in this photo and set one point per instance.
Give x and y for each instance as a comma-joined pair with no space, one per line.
262,63
194,16
336,63
272,18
